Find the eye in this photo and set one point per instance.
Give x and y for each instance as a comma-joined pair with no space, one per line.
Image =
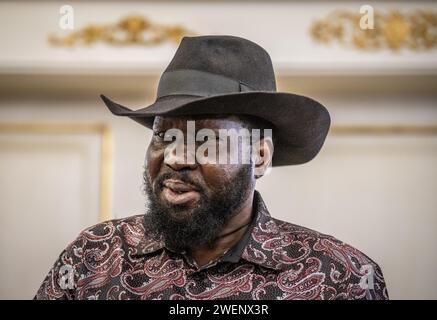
212,138
159,134
163,135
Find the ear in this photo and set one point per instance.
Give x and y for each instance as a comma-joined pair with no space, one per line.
262,152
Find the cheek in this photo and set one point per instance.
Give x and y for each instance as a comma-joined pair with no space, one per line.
218,177
154,160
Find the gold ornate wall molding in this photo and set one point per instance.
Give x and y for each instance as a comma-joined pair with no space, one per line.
393,30
384,130
131,30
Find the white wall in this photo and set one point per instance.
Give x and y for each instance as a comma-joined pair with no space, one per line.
375,192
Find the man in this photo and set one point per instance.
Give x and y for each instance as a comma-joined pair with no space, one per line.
206,233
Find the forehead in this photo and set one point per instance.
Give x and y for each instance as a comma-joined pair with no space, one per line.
201,121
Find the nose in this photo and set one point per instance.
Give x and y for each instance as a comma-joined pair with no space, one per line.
179,157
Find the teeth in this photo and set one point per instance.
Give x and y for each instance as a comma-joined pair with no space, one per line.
177,187
178,192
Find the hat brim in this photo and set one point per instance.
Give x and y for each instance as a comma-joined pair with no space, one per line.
301,123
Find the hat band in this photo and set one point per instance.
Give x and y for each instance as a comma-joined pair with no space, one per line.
198,83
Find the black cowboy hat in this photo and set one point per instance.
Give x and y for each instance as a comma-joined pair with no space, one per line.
231,75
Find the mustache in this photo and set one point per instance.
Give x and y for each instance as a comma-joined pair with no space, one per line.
179,175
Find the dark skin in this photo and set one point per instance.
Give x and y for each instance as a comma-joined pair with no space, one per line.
213,177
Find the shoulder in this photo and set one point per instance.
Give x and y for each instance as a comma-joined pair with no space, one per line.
314,243
124,232
345,270
110,239
95,252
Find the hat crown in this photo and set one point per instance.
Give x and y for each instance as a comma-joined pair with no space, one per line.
230,75
227,56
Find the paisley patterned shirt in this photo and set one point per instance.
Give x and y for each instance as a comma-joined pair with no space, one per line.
273,260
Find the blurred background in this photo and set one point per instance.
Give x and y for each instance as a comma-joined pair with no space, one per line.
66,163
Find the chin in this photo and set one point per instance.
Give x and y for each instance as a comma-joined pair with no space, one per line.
179,213
181,216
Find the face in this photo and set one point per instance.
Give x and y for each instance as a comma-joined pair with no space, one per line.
189,204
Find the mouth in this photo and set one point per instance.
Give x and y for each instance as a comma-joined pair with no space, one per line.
178,192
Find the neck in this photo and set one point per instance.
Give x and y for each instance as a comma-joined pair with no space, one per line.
230,235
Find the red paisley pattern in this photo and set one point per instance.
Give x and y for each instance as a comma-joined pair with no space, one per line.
117,260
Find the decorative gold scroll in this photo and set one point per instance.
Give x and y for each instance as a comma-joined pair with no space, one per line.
393,30
131,30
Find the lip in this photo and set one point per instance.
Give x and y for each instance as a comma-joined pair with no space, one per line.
178,192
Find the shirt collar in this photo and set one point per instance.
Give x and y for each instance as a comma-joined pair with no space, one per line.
261,244
264,242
